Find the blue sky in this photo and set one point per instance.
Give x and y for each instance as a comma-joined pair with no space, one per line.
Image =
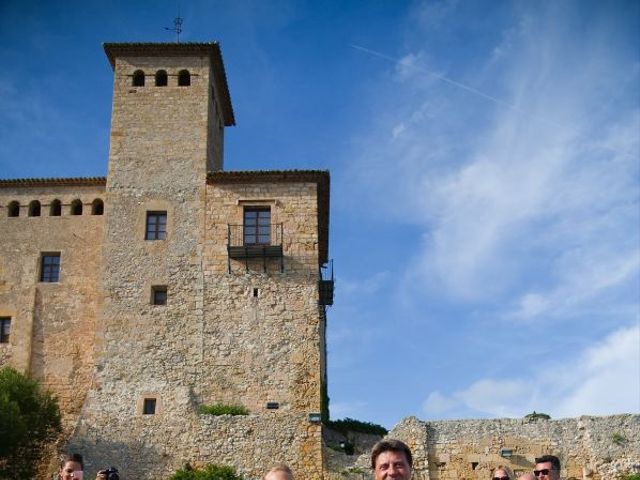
485,163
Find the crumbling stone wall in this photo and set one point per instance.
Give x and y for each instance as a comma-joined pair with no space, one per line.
601,448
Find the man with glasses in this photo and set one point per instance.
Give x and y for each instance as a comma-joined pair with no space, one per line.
547,468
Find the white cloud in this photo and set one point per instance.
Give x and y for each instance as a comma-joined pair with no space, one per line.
602,380
530,193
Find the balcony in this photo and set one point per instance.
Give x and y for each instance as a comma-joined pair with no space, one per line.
255,242
325,285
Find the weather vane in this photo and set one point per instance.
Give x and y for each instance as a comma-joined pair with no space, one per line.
177,26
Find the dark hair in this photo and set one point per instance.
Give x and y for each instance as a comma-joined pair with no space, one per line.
393,446
555,461
72,457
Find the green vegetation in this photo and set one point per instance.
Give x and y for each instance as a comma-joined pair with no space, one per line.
618,438
347,425
533,416
29,419
210,472
222,409
353,470
634,476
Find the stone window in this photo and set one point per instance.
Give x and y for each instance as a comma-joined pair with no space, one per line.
138,78
13,209
161,78
159,295
5,329
184,78
50,267
76,207
257,225
149,406
55,209
34,208
97,207
156,226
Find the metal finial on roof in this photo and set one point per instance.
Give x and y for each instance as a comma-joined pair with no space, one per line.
177,26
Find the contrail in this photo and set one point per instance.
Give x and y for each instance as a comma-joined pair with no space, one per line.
477,92
454,83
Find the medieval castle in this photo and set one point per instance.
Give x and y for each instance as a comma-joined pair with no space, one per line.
171,284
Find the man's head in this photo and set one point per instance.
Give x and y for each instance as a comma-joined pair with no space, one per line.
547,468
391,459
279,472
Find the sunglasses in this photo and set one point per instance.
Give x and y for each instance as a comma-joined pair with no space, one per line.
500,478
544,471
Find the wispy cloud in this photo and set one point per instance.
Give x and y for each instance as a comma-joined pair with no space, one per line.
530,194
604,379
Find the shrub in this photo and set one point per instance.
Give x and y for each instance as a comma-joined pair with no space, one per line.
618,439
533,416
222,409
351,425
210,472
29,419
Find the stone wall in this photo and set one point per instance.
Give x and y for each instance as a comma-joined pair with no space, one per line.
600,448
52,324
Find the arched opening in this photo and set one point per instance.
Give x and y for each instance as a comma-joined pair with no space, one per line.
138,78
76,207
184,78
97,207
13,209
34,208
161,78
55,209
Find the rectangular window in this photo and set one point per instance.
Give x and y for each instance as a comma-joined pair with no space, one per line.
5,329
159,295
257,226
156,226
50,267
149,406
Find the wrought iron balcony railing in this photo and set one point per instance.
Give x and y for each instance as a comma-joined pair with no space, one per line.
326,284
255,242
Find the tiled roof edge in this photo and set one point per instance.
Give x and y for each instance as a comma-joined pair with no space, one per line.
45,182
268,175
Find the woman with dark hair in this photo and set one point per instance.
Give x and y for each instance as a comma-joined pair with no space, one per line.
71,467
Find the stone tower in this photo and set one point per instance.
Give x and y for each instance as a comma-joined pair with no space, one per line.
170,285
211,285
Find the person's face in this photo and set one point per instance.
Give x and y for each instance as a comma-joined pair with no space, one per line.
543,467
392,465
66,471
278,476
500,475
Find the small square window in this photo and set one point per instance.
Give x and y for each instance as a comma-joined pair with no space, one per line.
159,295
156,226
5,329
149,406
50,267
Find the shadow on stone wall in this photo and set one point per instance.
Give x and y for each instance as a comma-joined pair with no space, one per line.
132,459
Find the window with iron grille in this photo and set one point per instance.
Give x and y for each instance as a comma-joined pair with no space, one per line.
257,226
50,267
156,226
5,329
